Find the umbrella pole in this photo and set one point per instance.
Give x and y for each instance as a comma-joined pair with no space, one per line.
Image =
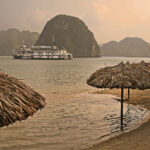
121,108
128,93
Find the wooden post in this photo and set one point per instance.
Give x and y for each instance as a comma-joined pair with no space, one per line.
128,93
121,109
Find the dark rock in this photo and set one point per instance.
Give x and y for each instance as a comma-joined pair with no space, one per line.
72,34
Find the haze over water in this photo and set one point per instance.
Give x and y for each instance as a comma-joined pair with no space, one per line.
73,117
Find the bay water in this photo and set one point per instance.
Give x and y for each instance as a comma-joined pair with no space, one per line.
74,117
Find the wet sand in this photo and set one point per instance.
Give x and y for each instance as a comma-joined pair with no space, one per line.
137,139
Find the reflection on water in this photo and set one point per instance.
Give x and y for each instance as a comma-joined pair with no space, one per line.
132,115
73,118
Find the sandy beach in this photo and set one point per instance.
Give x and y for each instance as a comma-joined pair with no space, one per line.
137,139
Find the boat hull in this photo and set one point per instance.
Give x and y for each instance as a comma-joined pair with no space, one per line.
17,57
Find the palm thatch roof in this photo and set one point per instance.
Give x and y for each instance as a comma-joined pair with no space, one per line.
142,65
17,100
135,76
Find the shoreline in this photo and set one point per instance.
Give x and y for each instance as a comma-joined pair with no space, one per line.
136,138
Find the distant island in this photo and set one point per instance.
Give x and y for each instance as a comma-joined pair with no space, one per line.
72,34
128,47
12,38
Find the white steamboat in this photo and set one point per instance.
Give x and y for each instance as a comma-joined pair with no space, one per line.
42,52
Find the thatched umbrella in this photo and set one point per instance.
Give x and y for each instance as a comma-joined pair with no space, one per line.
143,66
17,100
121,76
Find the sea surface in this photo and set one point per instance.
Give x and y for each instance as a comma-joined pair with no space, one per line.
75,117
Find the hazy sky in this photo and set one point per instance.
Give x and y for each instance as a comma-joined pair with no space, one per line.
107,19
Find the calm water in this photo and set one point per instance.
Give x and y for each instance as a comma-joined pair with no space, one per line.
74,118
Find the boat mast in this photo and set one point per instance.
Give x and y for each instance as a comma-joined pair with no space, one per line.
53,40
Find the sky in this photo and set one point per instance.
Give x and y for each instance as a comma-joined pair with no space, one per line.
107,19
